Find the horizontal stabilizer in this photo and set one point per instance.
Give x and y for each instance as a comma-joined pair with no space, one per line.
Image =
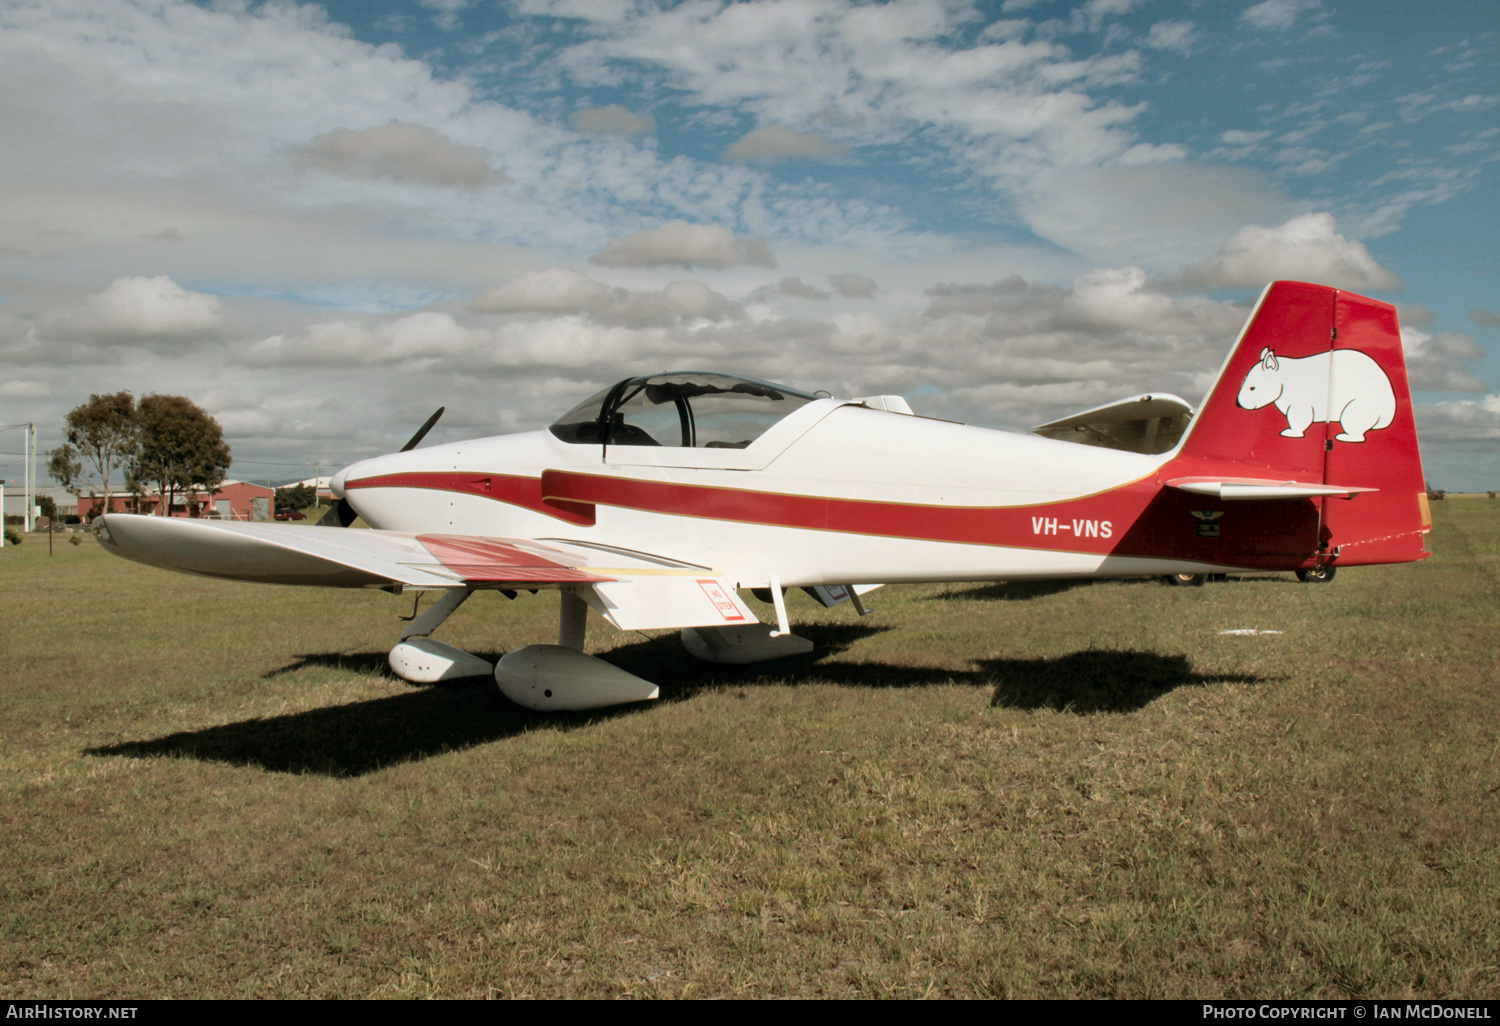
1230,489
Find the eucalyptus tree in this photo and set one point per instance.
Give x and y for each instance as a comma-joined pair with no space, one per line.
181,448
102,439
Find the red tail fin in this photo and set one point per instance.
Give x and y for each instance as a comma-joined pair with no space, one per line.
1316,393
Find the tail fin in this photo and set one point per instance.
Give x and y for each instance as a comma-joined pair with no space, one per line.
1315,397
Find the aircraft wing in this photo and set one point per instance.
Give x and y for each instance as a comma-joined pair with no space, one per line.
633,590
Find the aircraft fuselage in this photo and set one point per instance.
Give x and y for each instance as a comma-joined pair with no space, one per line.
835,493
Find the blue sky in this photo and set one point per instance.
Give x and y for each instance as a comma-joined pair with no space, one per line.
321,222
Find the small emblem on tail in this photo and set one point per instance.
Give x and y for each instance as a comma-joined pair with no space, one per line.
1208,522
1345,386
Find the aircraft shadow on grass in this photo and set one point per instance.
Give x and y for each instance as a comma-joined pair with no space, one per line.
375,663
1012,591
354,739
363,737
1022,591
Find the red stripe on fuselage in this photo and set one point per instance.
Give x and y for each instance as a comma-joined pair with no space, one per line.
1091,523
1139,518
515,490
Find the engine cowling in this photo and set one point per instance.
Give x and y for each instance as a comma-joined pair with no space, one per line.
552,678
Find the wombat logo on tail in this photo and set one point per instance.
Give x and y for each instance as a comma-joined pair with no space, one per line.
1360,398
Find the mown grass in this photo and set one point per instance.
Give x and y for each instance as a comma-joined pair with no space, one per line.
209,789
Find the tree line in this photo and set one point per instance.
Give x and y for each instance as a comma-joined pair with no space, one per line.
163,440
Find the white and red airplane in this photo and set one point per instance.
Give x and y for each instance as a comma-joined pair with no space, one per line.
655,501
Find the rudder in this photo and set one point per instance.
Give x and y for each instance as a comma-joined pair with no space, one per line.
1374,443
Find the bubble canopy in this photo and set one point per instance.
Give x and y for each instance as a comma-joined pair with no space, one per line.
687,409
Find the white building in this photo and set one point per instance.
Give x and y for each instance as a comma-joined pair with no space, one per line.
325,494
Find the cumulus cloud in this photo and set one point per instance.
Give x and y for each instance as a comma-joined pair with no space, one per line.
1172,35
612,120
412,154
1161,216
1276,15
1237,137
1419,105
1471,425
853,286
678,243
1488,318
140,307
1106,301
554,290
201,112
1006,108
562,290
445,12
1414,315
1306,248
1011,353
1021,352
1440,362
774,142
419,337
794,287
175,122
800,289
682,301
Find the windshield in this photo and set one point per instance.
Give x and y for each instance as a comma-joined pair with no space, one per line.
688,409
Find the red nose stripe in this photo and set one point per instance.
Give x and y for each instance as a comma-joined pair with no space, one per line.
525,492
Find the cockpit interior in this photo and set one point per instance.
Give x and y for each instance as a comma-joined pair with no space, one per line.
687,409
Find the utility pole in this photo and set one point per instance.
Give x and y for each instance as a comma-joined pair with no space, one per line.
30,477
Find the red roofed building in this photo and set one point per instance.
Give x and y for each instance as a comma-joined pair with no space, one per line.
233,500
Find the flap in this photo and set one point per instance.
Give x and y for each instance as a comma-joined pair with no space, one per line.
661,601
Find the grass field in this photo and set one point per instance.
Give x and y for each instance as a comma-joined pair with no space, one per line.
212,789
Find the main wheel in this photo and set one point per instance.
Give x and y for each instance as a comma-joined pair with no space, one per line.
1185,580
1317,575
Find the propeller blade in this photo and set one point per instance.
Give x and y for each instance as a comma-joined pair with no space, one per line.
422,431
340,514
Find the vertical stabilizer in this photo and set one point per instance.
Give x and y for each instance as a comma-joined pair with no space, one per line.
1316,393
